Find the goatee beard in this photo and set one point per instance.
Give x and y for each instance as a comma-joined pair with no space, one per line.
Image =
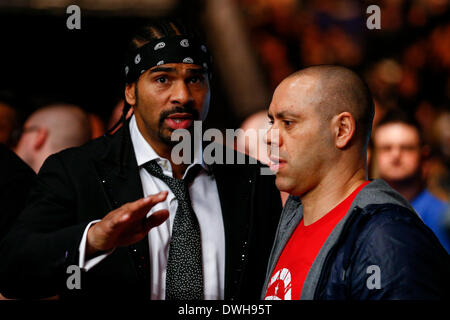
178,109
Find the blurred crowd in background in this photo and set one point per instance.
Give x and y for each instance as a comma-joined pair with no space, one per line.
406,64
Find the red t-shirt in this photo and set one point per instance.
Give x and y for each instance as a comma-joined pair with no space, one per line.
302,248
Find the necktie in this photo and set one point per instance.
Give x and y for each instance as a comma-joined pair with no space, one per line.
184,276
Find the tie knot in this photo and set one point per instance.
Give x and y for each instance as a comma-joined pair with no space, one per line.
178,186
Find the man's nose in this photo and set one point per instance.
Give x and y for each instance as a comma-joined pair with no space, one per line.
181,93
272,136
396,152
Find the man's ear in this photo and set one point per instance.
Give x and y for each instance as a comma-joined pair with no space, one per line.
344,128
130,93
41,137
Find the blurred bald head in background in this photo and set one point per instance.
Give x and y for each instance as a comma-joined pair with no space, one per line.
52,129
253,146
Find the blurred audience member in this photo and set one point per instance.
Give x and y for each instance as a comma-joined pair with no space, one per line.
442,132
253,143
438,166
52,129
399,155
9,124
405,63
115,116
97,125
16,179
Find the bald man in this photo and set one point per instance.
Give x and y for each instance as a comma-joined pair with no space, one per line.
341,236
52,129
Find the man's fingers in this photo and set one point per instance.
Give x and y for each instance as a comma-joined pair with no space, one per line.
135,210
141,207
155,219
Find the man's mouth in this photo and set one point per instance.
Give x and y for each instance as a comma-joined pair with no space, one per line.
179,120
276,164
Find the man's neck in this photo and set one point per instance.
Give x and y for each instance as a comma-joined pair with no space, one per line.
408,188
163,150
328,194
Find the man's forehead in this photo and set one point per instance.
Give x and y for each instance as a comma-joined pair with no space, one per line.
295,95
301,82
284,107
396,132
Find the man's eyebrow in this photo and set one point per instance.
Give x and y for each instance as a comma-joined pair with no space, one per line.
162,69
286,114
197,70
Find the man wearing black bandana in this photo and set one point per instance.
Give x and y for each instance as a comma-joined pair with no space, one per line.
109,209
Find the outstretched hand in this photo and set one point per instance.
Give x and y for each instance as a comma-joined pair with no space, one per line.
126,225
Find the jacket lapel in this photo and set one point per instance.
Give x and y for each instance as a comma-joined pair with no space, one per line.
118,171
119,175
234,187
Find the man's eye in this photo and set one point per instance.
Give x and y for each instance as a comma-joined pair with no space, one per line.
287,122
384,149
196,79
409,148
161,79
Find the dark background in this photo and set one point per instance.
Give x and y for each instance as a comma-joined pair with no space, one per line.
42,61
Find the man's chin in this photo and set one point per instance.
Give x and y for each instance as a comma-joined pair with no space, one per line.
166,137
166,134
283,185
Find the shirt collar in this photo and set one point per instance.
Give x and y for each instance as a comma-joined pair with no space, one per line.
145,153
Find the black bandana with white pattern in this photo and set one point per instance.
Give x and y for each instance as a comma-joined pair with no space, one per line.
174,49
